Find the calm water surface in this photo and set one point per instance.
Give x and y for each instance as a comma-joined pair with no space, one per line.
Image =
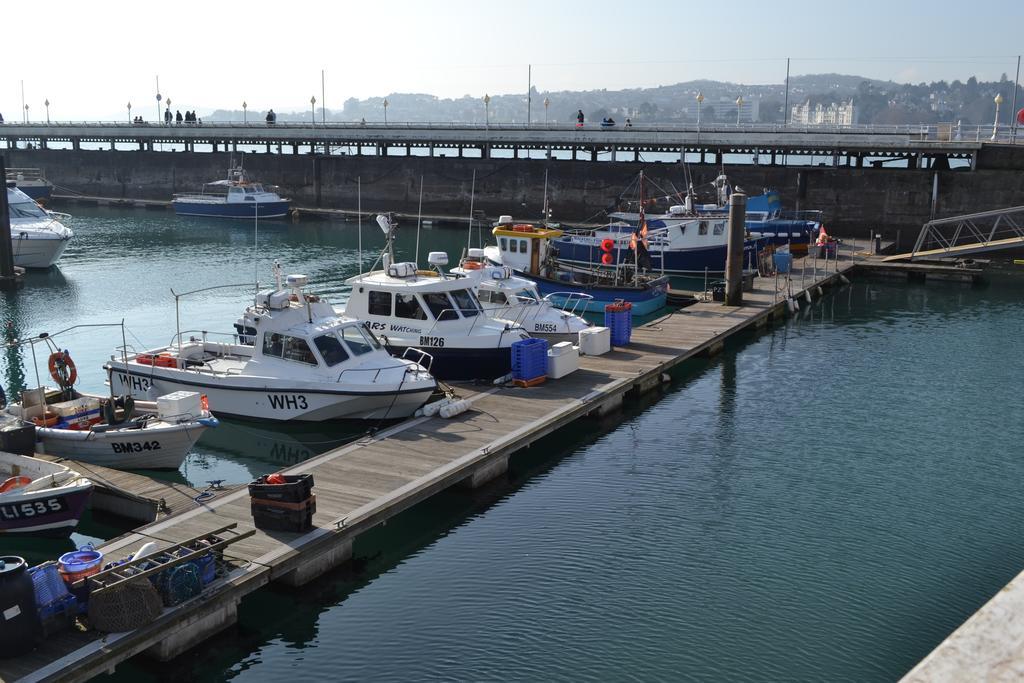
826,501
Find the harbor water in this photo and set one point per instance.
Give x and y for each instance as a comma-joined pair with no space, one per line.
826,500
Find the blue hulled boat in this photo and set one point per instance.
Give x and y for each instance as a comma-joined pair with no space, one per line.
233,197
529,250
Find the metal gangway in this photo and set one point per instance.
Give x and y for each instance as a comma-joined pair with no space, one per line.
969,234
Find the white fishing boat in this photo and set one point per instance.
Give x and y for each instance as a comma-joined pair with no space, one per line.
507,296
38,239
116,432
293,359
40,497
233,197
424,312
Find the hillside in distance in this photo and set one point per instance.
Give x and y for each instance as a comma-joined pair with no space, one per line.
877,102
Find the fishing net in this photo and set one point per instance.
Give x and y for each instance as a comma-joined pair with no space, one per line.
178,584
125,607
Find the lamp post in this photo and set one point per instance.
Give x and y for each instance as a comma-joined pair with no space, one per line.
385,111
700,101
487,111
46,103
129,112
312,110
169,105
995,124
547,102
739,107
245,112
26,114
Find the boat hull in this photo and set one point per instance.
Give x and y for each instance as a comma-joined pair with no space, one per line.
231,210
44,513
275,403
158,448
451,363
676,261
37,252
35,190
644,300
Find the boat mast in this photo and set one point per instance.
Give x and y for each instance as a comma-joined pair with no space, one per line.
472,196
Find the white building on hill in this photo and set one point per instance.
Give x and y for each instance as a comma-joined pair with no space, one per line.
842,114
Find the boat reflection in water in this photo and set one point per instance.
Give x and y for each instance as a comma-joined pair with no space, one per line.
242,450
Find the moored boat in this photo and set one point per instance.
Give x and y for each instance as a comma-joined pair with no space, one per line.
427,312
529,250
38,239
40,497
293,358
510,297
31,181
232,197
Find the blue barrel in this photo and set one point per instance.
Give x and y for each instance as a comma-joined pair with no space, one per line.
618,318
783,261
19,620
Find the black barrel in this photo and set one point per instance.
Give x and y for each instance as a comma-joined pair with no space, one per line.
19,621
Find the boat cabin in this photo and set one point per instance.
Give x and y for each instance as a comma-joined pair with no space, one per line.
524,247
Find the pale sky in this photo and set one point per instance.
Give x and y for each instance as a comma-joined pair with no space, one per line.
91,58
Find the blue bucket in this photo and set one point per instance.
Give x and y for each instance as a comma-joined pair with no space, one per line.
82,560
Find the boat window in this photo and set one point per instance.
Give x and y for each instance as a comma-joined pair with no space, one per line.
719,228
406,306
357,343
703,229
380,303
25,209
522,246
441,306
370,337
287,347
331,349
513,246
526,295
467,305
504,244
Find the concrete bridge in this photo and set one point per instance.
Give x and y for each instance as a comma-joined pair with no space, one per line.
919,146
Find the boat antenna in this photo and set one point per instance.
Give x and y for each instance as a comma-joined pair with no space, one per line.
419,219
256,244
124,358
359,213
472,196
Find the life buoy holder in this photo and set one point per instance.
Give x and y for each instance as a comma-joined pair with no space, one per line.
14,483
62,368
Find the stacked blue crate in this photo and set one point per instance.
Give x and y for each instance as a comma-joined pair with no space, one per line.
618,318
529,360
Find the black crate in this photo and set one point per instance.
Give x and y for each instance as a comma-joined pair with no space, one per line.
280,519
297,488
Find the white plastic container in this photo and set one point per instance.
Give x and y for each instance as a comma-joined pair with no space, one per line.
76,407
595,341
181,405
563,359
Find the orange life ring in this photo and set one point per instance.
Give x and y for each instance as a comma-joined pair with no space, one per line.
14,483
56,372
472,265
522,227
47,420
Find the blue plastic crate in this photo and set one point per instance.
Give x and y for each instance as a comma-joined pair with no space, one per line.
618,318
529,359
48,585
783,262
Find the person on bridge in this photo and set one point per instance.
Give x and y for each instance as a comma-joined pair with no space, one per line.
178,118
271,117
168,116
579,118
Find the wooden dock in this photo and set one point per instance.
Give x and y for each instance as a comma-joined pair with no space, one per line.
365,483
132,495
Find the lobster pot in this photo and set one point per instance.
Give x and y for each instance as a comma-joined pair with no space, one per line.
19,620
618,318
529,359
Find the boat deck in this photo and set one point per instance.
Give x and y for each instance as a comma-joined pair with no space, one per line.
365,483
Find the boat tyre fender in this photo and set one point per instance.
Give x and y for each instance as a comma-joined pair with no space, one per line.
62,368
